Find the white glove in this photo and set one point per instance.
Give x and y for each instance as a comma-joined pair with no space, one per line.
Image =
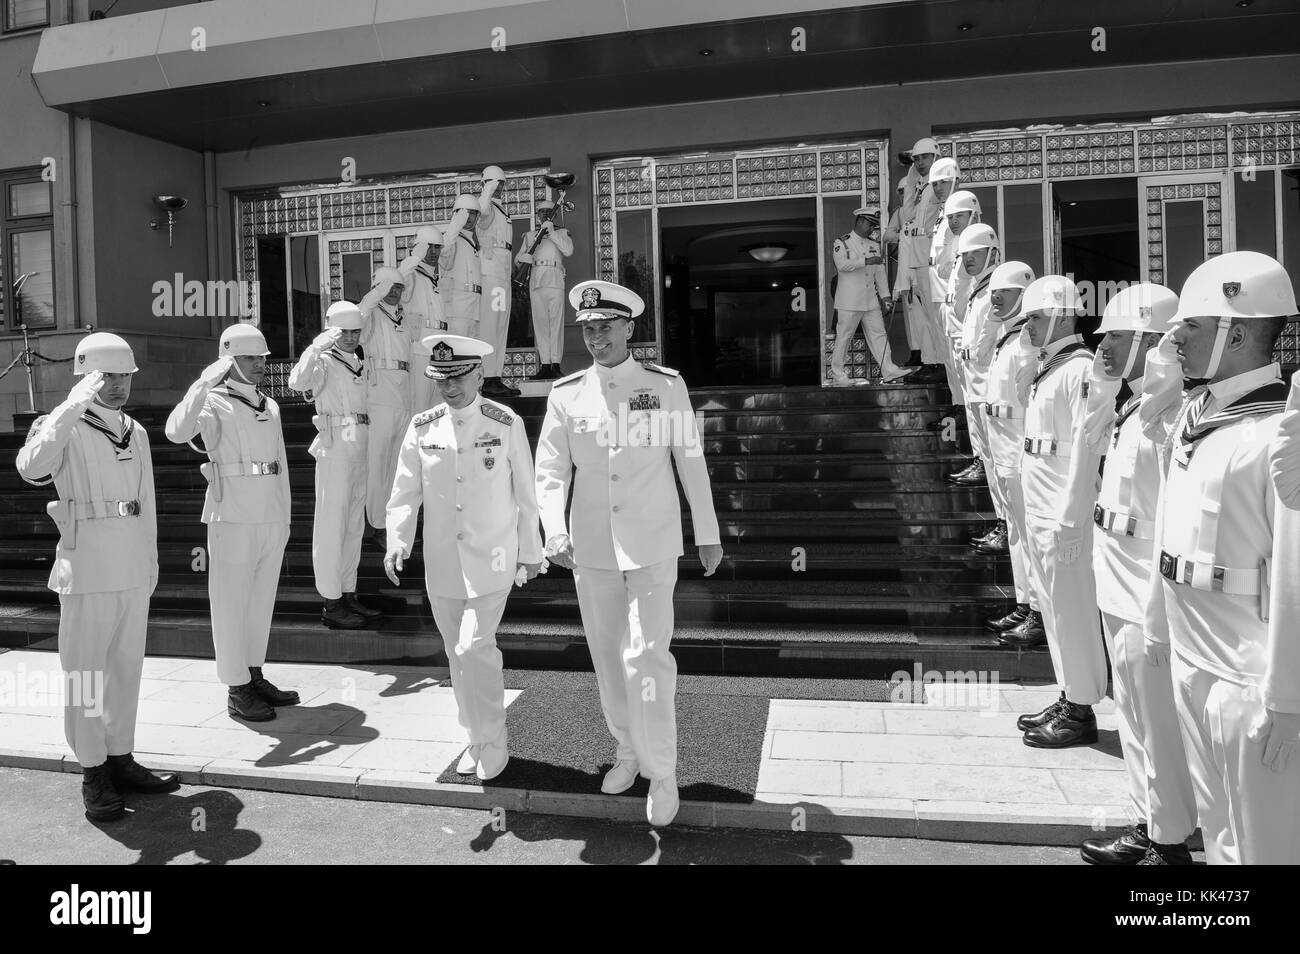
454,226
559,551
327,338
393,565
84,391
1157,654
216,372
1279,731
490,187
1100,412
1069,544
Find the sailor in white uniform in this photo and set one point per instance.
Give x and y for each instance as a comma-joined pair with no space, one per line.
1059,496
425,315
1236,683
105,566
496,234
466,462
246,509
331,374
386,341
1160,788
546,287
613,432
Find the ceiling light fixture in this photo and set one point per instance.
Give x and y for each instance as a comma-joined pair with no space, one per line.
767,253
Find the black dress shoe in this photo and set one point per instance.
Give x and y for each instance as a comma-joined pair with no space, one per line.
930,374
994,542
337,614
957,475
1026,634
243,703
99,796
1128,849
1000,624
913,360
1027,722
130,776
1072,725
1157,854
268,692
360,608
973,477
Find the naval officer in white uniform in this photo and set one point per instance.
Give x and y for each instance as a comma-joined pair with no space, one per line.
246,509
1235,684
466,462
1160,788
105,566
613,432
862,297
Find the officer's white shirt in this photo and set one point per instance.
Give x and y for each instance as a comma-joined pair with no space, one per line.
623,428
860,286
385,336
1130,484
110,553
496,232
424,314
553,248
335,381
1055,412
471,471
1220,633
233,434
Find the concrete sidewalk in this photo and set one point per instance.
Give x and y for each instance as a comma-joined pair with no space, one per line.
949,767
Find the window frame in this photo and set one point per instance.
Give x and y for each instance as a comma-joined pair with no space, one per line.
7,30
12,225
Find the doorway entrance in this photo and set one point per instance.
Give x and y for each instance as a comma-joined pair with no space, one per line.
739,292
1098,241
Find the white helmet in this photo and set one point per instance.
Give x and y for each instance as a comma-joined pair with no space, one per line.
944,168
923,146
428,235
345,315
1142,308
977,236
388,275
1052,293
465,201
242,340
545,205
961,201
494,172
106,352
1011,275
1238,285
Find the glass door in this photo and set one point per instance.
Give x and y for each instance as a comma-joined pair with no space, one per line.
1184,224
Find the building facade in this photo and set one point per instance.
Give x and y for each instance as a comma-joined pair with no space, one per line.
170,168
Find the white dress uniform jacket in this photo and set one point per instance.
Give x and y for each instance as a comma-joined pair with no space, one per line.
386,341
860,286
623,428
461,285
496,234
105,566
546,290
424,317
1281,687
471,471
336,382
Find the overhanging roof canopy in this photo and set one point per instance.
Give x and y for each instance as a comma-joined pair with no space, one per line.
232,74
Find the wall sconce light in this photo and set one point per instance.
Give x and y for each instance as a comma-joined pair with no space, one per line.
171,204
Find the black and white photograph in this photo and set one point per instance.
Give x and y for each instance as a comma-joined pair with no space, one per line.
638,432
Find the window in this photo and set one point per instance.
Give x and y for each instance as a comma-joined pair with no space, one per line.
25,14
26,250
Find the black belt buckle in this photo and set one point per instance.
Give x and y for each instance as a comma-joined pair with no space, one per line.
128,508
1099,516
272,468
1167,566
1029,445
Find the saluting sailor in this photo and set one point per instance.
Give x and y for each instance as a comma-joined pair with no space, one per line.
467,463
461,266
1058,511
331,374
1160,788
622,426
425,312
386,341
862,297
246,509
1236,685
1011,368
496,234
546,287
105,566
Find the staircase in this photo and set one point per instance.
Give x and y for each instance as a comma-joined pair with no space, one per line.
845,549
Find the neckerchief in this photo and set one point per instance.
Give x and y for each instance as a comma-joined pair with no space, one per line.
978,286
422,269
1015,330
395,319
1056,360
1269,399
472,239
235,395
1125,412
342,359
101,425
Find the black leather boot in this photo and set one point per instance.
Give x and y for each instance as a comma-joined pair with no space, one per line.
1158,854
994,542
1026,634
102,801
243,703
130,776
1072,725
337,614
973,477
1128,849
957,475
360,608
267,692
1031,721
1000,624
